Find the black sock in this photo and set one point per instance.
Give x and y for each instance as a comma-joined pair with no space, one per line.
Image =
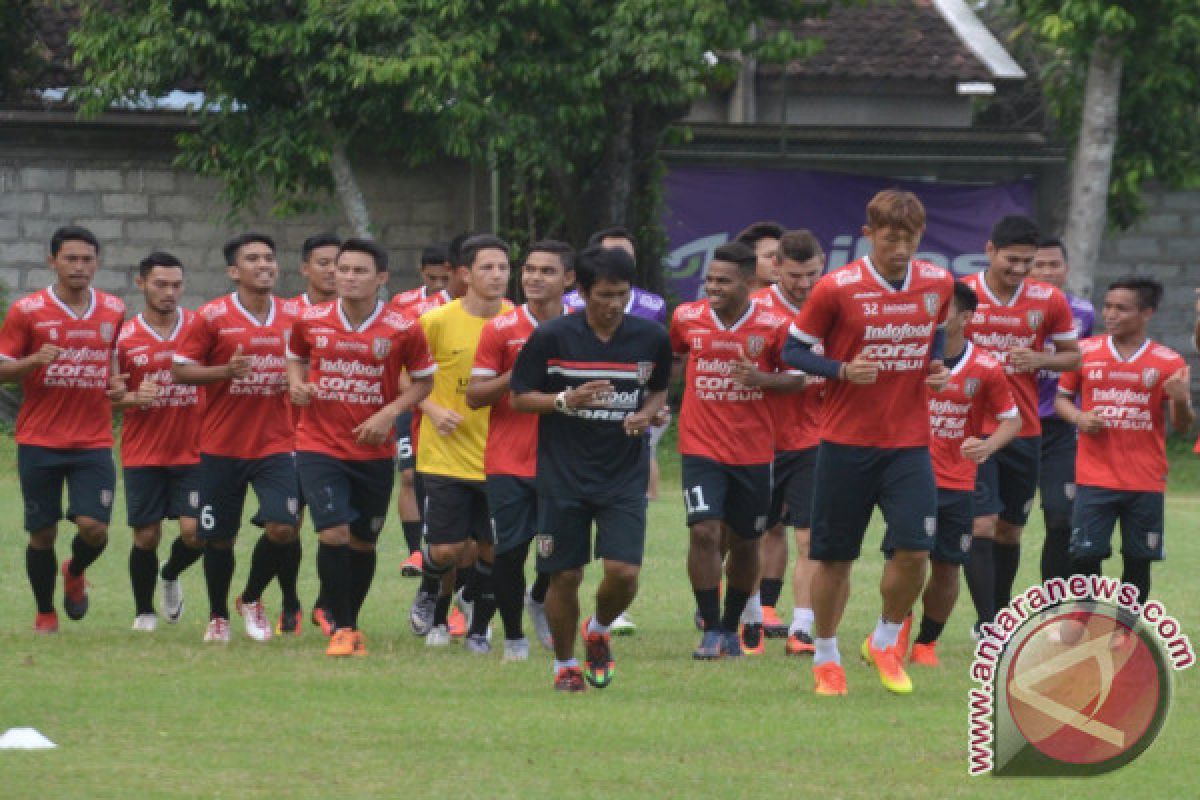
708,601
42,568
333,565
541,585
483,590
509,580
769,590
264,565
290,556
180,559
362,572
441,611
735,604
980,572
1136,571
1008,559
83,555
218,574
463,582
412,534
432,573
930,630
143,572
1056,556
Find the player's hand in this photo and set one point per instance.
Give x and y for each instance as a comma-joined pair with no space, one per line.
861,371
117,387
663,418
1089,422
445,420
302,394
146,393
1022,359
938,375
1178,387
745,372
975,449
45,354
637,423
239,364
588,395
375,429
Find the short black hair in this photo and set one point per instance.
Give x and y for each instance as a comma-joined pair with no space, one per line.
231,247
612,232
965,298
799,245
370,248
434,255
598,263
471,247
1149,291
1015,230
72,233
454,249
564,251
326,239
1054,241
158,258
737,253
755,231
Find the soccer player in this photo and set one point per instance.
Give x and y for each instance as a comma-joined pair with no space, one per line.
731,347
797,424
160,440
763,238
1016,319
1123,384
345,361
880,319
510,458
450,452
597,379
972,417
318,265
58,343
1056,483
236,349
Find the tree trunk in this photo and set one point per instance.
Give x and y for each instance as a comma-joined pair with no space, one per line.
349,193
1092,165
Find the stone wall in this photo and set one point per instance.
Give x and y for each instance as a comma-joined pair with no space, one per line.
120,183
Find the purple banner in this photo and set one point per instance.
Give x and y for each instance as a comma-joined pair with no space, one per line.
708,206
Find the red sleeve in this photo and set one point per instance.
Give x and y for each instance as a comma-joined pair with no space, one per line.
998,398
819,314
298,342
1060,323
1068,382
197,342
679,342
14,336
489,353
417,358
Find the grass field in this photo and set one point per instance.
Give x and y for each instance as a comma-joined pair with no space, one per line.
161,715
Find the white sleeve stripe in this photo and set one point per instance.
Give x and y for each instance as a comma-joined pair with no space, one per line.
807,338
1065,392
6,357
1064,337
483,372
424,373
1012,412
178,359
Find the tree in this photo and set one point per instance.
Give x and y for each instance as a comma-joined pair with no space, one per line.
1123,81
21,63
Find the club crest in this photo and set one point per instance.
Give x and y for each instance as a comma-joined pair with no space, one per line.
545,545
106,330
106,497
644,370
194,499
380,347
970,386
932,303
755,345
1150,377
1034,318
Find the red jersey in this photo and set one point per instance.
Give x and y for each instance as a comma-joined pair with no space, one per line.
1130,453
797,414
1036,313
165,433
976,393
246,417
721,419
65,404
357,372
855,311
511,447
417,301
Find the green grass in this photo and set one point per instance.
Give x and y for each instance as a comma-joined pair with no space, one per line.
162,715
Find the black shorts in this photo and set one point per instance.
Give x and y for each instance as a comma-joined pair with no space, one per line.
955,518
791,496
90,477
223,484
1006,483
850,481
564,539
406,454
1056,481
738,495
455,510
1096,513
153,494
513,504
353,493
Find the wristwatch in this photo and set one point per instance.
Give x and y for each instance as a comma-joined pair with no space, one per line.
560,402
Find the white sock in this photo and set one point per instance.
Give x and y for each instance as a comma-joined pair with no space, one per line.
885,634
752,615
570,662
596,627
802,620
827,650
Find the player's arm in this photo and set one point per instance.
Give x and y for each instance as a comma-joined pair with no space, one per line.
489,380
14,339
980,450
483,391
185,371
1178,390
376,429
1065,358
1064,405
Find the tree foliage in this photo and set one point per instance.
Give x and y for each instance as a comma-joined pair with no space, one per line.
21,60
1159,104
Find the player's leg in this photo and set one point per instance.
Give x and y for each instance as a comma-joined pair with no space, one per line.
275,485
370,495
620,544
1018,468
980,569
747,505
223,484
187,548
952,543
1056,484
512,502
704,488
91,484
481,588
563,547
147,497
797,512
1142,533
42,479
447,519
407,507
